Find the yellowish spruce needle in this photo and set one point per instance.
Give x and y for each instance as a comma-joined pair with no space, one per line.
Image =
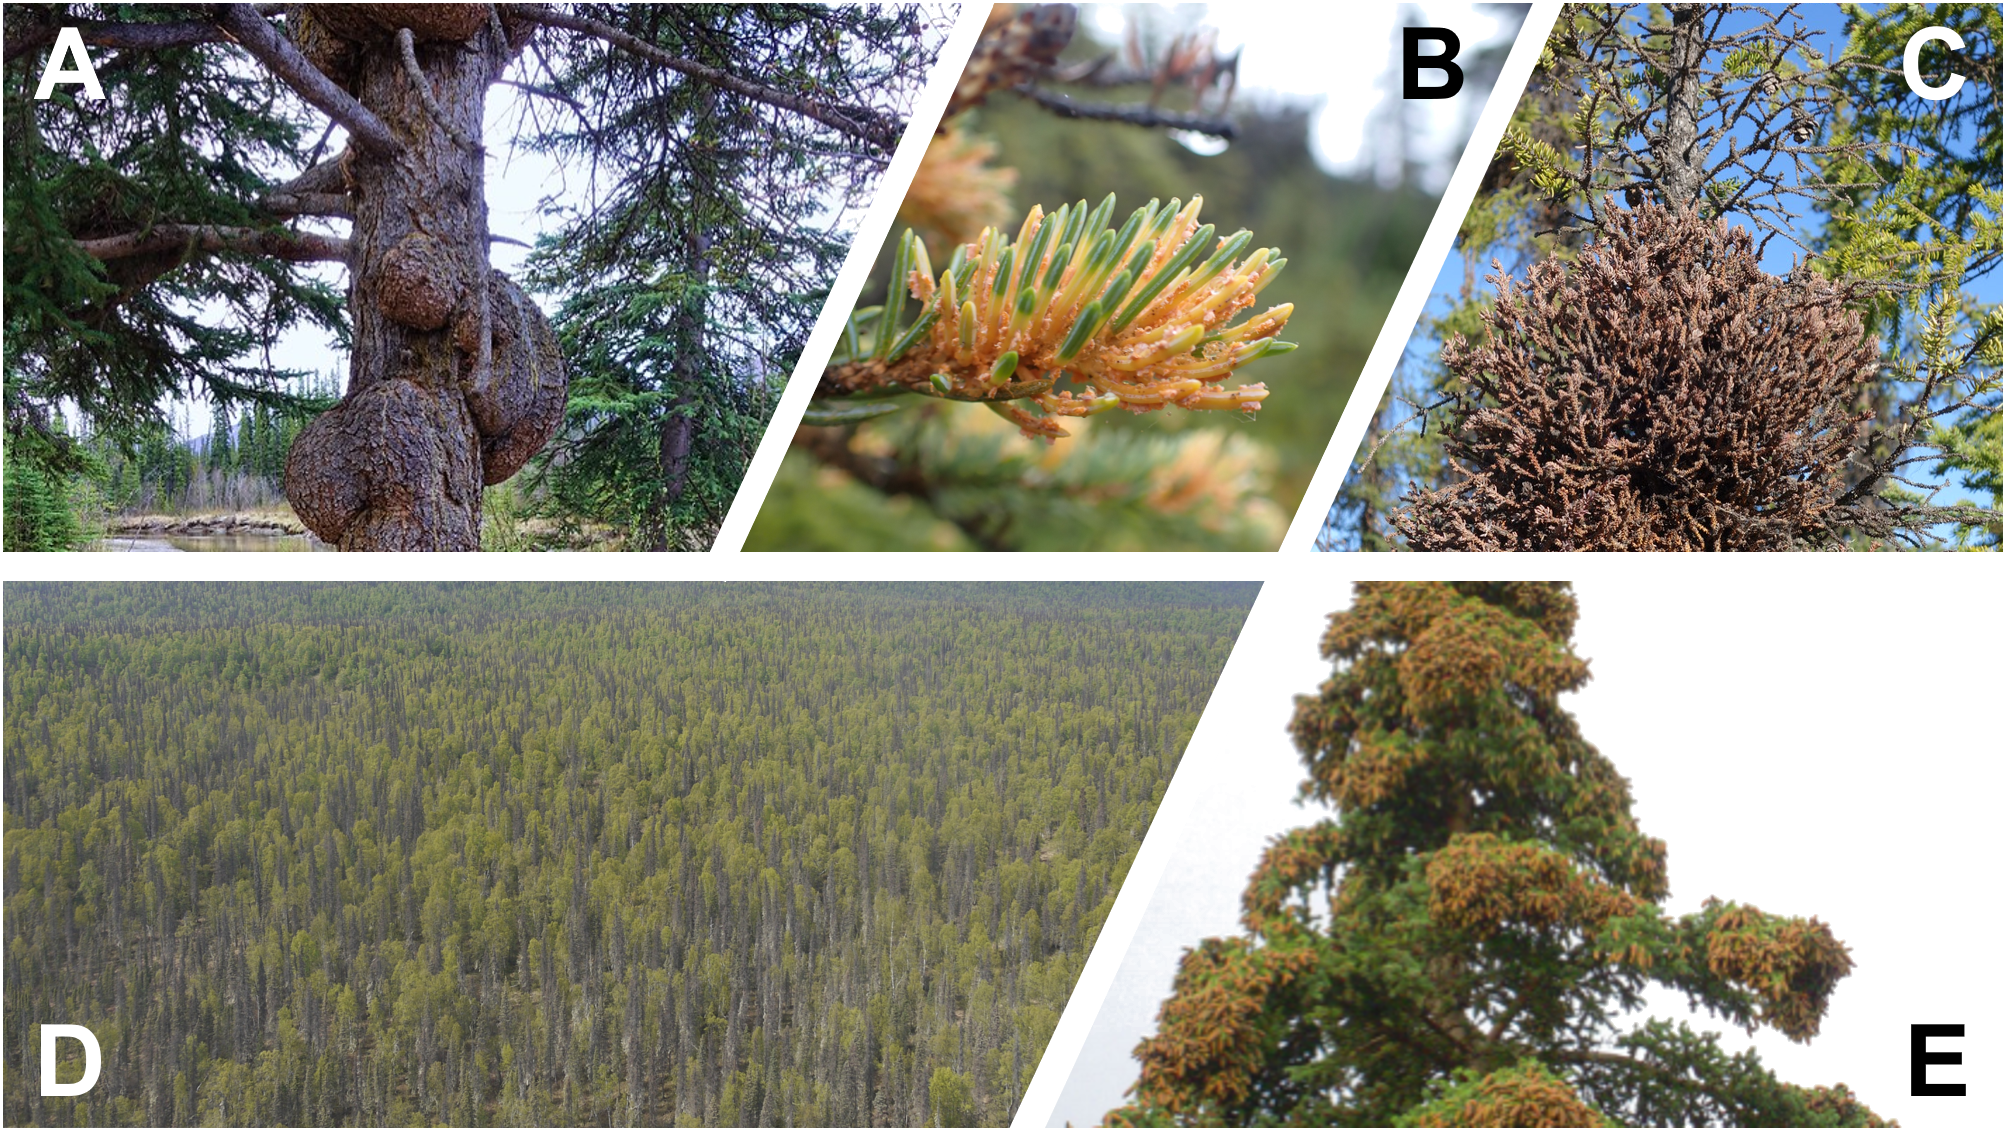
1142,317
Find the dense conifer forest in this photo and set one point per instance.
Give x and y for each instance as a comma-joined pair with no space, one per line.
487,853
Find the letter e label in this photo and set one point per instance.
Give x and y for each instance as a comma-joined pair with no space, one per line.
1922,1058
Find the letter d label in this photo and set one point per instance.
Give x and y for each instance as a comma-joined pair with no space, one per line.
93,1060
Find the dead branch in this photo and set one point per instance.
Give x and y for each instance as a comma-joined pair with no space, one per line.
407,50
279,56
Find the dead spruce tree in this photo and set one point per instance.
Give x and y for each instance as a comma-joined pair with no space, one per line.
156,207
1662,392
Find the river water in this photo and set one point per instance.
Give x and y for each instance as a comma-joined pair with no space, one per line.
200,543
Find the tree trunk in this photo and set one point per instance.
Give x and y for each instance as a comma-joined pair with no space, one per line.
1680,169
454,379
677,436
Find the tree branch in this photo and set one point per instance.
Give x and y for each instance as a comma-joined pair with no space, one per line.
298,247
1133,115
138,37
407,48
1594,1056
328,176
322,190
892,477
279,56
853,121
309,204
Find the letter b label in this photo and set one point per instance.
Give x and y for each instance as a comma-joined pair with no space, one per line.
1415,62
93,1060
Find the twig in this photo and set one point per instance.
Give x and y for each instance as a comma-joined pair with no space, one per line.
407,48
320,146
544,92
1133,115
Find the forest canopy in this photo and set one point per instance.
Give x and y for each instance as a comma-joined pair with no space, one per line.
740,854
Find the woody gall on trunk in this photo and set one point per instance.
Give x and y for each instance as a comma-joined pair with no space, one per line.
454,378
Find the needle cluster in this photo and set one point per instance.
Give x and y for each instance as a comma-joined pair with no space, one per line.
1141,317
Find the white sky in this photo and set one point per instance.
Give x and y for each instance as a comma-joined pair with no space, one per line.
1790,752
1308,56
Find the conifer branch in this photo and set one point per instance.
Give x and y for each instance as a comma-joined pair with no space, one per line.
129,36
255,35
853,121
893,477
1138,316
297,247
1132,114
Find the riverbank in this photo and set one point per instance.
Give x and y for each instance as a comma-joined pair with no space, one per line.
279,523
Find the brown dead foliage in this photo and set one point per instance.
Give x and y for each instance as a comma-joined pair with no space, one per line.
1793,964
1661,392
1480,883
1210,1042
1518,1097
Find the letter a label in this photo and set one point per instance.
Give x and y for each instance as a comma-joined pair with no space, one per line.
69,45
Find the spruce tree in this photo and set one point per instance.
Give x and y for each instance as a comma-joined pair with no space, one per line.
37,515
1464,943
156,239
